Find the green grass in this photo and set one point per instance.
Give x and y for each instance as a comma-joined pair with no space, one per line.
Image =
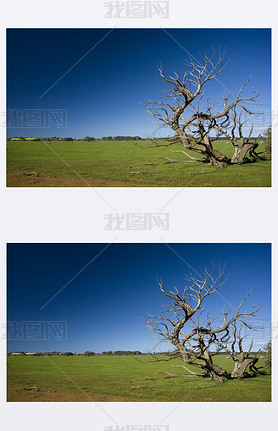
114,377
108,162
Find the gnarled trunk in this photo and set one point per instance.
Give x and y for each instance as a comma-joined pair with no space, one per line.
241,366
214,372
240,153
217,373
216,158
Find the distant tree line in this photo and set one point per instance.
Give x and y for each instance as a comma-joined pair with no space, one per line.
87,353
266,351
122,352
86,139
266,139
121,138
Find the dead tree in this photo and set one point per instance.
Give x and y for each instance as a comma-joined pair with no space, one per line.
234,346
197,339
197,124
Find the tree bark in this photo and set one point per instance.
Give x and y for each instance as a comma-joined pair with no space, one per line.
241,366
216,158
240,153
217,373
214,372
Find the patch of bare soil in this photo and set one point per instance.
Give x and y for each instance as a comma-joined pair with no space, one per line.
20,179
17,393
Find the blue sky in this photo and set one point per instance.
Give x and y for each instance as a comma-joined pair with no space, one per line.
102,93
103,304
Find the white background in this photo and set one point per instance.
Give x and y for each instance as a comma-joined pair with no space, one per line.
77,215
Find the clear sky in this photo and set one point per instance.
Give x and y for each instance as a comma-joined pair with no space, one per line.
102,305
102,93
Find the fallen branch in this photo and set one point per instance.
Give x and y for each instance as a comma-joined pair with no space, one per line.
170,375
137,172
187,369
31,173
190,157
181,161
31,387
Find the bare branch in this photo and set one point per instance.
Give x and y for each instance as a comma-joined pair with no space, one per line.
196,124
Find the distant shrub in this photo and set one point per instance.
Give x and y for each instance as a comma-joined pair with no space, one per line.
268,356
88,353
268,137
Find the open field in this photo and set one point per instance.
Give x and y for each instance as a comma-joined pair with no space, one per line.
122,164
123,378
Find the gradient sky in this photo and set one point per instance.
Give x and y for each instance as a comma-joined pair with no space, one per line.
102,93
103,304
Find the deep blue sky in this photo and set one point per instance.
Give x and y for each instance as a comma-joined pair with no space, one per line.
102,93
103,304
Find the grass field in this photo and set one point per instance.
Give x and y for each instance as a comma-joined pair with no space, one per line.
122,164
123,378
